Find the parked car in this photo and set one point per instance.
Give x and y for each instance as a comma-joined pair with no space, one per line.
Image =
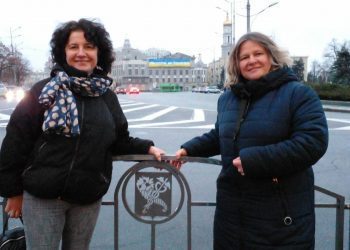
120,90
134,90
195,90
3,90
213,89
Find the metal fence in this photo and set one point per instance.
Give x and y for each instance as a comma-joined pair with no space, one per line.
155,188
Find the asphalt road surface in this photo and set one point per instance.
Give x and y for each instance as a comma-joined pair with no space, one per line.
170,119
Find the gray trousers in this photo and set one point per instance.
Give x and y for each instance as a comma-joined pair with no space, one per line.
48,221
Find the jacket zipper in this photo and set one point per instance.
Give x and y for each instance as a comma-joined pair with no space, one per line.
76,148
287,220
31,165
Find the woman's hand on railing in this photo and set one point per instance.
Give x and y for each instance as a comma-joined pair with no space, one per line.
178,163
157,152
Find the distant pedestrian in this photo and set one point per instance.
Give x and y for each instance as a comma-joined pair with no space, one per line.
270,130
56,157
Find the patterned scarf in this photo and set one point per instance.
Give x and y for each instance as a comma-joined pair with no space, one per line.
61,115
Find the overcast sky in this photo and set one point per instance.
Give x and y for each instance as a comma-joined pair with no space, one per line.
193,27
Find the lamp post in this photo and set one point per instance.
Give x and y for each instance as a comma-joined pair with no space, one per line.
248,13
248,16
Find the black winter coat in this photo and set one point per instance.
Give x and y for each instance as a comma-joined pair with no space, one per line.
76,169
283,134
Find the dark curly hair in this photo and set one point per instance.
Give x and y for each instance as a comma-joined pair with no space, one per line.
94,33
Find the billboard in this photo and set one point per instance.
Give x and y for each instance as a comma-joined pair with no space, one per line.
169,62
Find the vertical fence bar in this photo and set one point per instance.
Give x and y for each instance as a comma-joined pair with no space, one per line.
339,240
153,236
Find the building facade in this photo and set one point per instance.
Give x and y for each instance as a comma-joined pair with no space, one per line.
154,69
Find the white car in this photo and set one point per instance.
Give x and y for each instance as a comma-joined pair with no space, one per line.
213,89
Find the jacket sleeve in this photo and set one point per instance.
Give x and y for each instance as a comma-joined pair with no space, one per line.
306,144
126,144
22,132
206,145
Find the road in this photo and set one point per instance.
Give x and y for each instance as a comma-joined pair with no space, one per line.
170,119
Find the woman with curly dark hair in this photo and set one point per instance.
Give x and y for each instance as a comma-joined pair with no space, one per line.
56,157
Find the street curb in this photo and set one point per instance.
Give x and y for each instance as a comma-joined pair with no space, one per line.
336,109
336,106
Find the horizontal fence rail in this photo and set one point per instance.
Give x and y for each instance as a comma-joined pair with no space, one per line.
147,161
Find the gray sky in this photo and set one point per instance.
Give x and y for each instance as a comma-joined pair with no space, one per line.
303,27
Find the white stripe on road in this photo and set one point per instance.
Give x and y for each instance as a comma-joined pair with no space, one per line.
140,108
4,117
206,127
131,104
341,128
198,116
154,115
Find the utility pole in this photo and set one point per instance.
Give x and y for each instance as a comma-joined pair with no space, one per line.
248,16
233,9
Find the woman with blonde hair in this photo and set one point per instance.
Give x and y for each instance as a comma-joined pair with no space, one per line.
270,130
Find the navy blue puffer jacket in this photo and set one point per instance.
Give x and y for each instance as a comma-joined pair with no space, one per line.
283,134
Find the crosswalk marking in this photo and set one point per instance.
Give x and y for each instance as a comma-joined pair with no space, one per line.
341,128
131,104
4,117
198,116
140,108
154,115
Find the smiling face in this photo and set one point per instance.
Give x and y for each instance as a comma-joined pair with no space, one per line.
80,53
254,61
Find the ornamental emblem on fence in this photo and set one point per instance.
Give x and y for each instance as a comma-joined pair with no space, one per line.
153,194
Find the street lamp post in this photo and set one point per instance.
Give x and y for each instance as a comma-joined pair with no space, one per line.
248,16
248,13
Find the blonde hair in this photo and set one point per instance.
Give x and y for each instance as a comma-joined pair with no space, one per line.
279,57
